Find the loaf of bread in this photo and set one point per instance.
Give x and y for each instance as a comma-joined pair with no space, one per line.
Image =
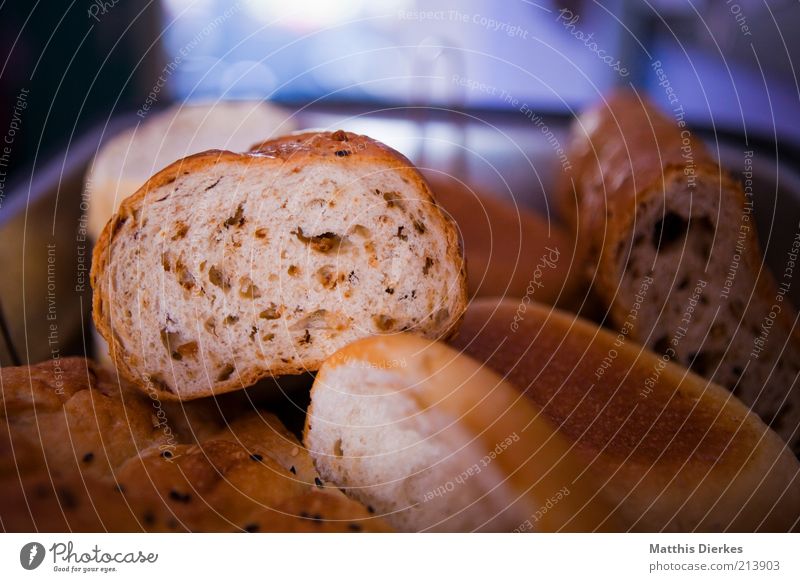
225,268
435,440
669,449
81,453
670,247
511,251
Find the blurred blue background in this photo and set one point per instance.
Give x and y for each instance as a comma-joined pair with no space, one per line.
729,63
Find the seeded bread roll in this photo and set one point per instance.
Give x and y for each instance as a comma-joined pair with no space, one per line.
670,450
670,247
226,268
79,452
511,251
434,441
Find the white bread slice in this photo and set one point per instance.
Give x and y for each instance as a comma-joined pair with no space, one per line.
434,441
225,268
673,450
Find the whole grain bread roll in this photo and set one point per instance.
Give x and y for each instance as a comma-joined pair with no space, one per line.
511,250
226,268
82,452
671,252
435,439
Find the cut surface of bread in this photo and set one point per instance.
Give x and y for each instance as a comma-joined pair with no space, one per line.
225,268
80,452
127,160
433,441
669,449
672,253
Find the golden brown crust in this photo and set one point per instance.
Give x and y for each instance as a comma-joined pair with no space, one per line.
81,453
297,150
462,393
511,251
623,152
633,164
661,444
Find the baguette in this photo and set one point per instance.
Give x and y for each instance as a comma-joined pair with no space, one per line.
671,250
226,268
670,449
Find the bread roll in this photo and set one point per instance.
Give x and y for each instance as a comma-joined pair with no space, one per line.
79,452
434,441
669,449
670,247
226,268
511,251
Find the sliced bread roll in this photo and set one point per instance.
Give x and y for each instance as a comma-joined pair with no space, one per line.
669,449
511,251
434,441
671,251
225,268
